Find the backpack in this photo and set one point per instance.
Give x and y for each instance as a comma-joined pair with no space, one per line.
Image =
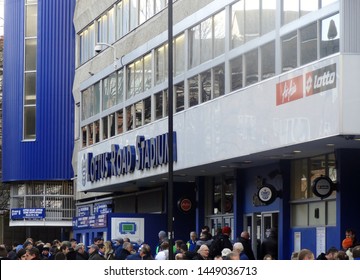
218,245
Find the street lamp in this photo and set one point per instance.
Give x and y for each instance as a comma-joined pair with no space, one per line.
98,49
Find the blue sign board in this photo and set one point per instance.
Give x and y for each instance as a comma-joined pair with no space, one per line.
27,213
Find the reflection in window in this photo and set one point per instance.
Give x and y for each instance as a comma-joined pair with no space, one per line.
129,117
194,46
147,72
120,121
236,73
91,134
206,40
112,124
330,35
219,81
223,196
161,64
237,24
308,43
179,93
205,86
307,6
97,131
158,105
147,111
179,54
268,15
252,20
193,91
109,91
139,108
290,10
289,51
251,67
327,2
120,83
219,33
84,136
105,128
268,60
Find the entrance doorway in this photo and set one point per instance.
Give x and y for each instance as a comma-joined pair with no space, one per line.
259,225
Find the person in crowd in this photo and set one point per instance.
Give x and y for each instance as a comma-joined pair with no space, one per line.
294,256
232,256
53,251
60,256
163,253
180,256
356,253
64,250
203,239
347,243
144,253
98,240
350,233
94,253
177,247
341,255
191,244
109,253
162,237
225,252
45,252
206,230
306,254
70,254
125,251
3,253
81,254
221,242
57,243
331,254
270,244
267,257
27,245
21,254
12,253
245,241
218,258
202,253
32,253
239,248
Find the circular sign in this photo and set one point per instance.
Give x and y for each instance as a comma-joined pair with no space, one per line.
267,194
322,187
185,204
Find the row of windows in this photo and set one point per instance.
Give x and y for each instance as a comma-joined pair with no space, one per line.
29,127
150,70
120,19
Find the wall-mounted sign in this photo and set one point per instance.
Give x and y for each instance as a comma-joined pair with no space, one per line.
323,187
267,194
27,213
185,204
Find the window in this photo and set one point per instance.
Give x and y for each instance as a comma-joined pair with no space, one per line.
159,105
252,19
193,91
84,136
161,64
237,24
251,67
179,101
30,45
120,84
97,131
147,110
327,2
111,123
205,86
308,43
105,128
307,6
147,73
290,10
206,38
194,46
109,91
120,121
330,35
219,80
146,10
219,33
268,60
179,54
139,110
268,15
289,51
129,117
236,73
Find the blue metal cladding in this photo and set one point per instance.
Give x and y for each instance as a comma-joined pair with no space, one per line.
49,156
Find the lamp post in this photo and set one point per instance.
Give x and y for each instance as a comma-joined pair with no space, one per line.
170,218
98,49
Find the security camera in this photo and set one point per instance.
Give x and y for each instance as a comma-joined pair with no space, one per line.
98,48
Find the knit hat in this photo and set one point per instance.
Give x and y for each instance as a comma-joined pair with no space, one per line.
347,243
226,230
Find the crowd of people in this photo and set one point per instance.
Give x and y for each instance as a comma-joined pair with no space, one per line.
204,247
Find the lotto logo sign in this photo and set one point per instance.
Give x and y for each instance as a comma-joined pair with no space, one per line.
320,80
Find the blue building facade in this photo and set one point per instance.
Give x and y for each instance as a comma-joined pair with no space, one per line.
38,108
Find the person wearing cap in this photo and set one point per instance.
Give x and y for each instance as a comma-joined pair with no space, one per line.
225,252
94,253
221,242
45,252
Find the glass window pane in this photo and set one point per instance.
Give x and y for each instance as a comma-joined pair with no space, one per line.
219,33
96,93
160,5
84,136
158,106
290,10
97,131
120,83
139,72
194,46
147,112
90,129
236,73
289,51
299,215
119,20
237,24
112,124
31,21
129,118
179,54
111,27
252,21
251,67
205,82
130,81
179,91
126,17
30,54
308,44
147,72
30,89
300,182
161,64
105,128
193,91
331,213
120,121
86,104
330,36
219,81
268,60
268,16
327,2
109,91
206,40
307,6
133,14
29,122
166,103
139,108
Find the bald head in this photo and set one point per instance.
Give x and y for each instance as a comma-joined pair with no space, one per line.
245,235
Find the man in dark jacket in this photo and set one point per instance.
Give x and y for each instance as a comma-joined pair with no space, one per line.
221,242
270,244
94,253
125,251
245,241
331,254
